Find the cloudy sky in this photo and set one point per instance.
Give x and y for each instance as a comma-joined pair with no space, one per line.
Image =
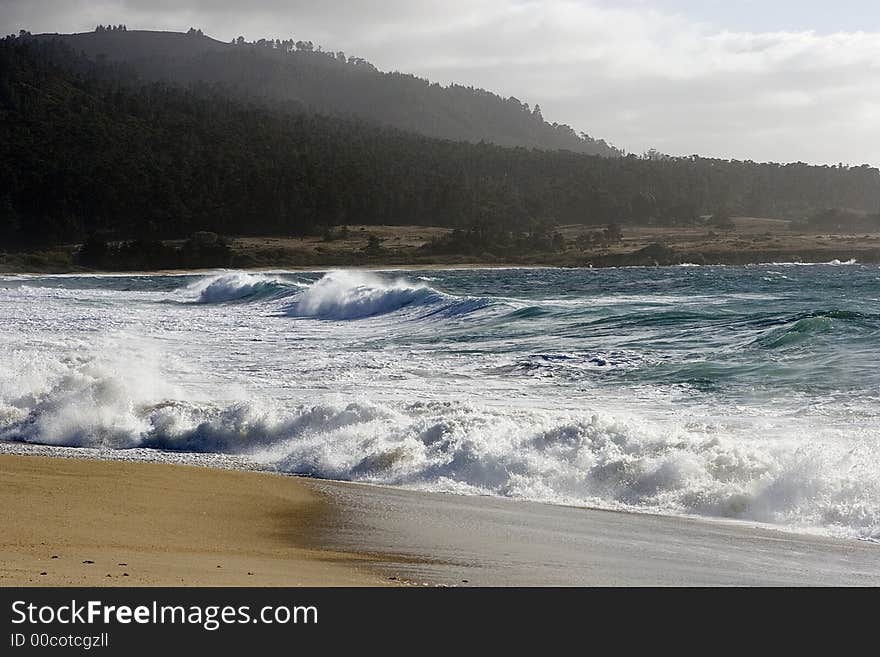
779,80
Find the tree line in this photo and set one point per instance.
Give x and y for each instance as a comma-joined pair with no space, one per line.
317,80
84,151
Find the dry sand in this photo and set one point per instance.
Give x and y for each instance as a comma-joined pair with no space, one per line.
74,522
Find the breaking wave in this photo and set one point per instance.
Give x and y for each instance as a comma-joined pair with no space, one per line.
836,262
351,295
590,456
239,286
347,295
679,391
337,295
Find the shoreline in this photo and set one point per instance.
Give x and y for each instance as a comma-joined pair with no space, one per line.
348,534
380,267
226,462
751,241
457,540
281,270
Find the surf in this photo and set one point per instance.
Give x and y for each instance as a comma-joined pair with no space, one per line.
609,457
351,295
238,286
679,390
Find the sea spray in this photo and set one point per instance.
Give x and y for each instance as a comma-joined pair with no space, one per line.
345,295
237,286
691,391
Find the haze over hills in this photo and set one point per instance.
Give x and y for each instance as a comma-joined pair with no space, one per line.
147,150
332,83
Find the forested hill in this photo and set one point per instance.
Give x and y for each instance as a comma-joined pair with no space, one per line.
334,84
82,153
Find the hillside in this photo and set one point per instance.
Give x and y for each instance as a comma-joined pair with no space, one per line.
84,154
330,83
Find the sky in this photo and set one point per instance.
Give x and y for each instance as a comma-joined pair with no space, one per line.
768,80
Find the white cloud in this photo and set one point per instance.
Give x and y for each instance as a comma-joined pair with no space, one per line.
635,76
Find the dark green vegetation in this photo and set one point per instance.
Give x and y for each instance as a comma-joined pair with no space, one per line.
298,75
203,249
94,150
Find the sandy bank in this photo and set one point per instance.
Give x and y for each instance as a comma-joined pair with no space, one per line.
89,523
174,525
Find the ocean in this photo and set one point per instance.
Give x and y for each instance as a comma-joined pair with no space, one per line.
741,393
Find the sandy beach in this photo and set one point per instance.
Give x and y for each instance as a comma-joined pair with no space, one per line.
72,522
108,523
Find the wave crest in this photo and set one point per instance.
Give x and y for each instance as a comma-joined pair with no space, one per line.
346,295
238,286
586,457
808,326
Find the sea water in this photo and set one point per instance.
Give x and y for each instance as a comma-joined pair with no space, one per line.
746,393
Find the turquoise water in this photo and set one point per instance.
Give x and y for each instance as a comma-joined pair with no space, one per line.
737,392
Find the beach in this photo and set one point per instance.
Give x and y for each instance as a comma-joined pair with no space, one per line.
724,419
78,522
84,522
457,540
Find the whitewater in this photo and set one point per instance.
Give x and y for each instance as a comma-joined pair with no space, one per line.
744,393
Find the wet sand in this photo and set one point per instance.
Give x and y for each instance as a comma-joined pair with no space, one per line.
483,541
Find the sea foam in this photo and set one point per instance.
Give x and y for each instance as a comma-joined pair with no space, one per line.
684,392
612,459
